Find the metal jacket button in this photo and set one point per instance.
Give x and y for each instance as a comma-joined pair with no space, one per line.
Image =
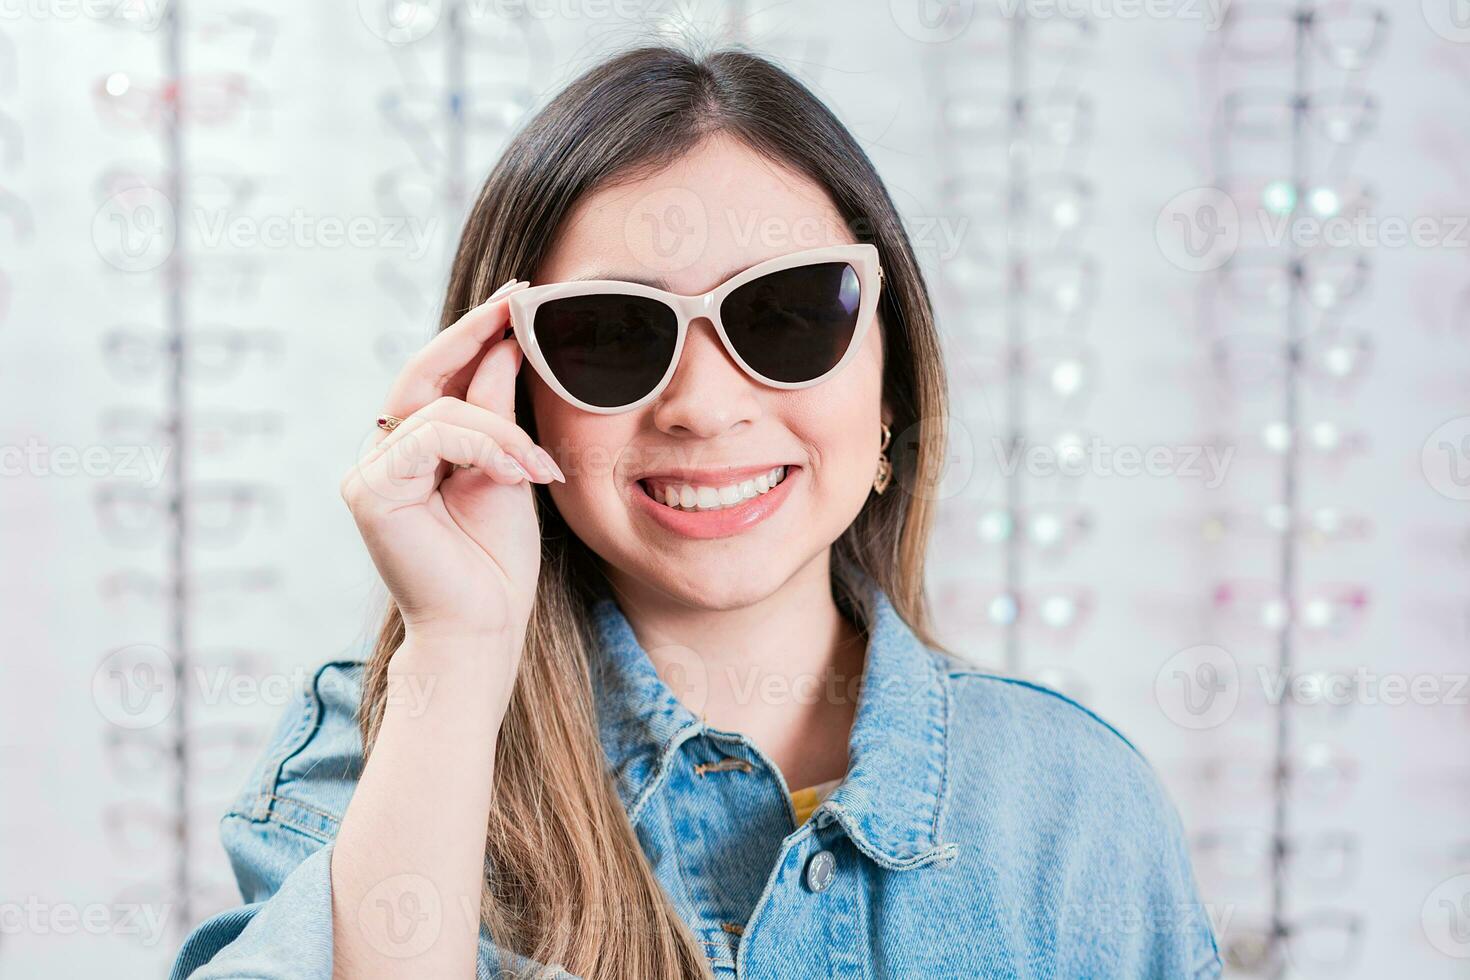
821,869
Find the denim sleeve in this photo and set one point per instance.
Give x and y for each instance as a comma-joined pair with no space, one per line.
1156,924
1185,920
1091,862
279,835
286,935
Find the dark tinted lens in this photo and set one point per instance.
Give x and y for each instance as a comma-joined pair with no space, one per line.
796,324
609,349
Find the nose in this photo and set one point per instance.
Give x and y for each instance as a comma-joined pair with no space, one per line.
709,394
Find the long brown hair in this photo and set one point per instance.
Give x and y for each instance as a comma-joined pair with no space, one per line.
567,880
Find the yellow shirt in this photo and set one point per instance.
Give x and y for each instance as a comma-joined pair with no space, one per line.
806,800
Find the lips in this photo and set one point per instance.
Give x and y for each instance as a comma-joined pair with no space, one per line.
729,515
714,476
692,496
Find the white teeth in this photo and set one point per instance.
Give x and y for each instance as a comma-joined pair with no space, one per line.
686,497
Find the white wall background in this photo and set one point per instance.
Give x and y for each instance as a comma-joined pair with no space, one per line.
312,143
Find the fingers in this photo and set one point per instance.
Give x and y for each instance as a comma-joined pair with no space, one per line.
403,472
508,436
448,358
493,385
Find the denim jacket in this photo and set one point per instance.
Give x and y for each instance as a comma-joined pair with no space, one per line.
986,827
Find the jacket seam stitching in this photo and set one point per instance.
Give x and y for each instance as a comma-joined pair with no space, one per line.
679,868
801,835
942,735
1058,695
307,725
293,743
663,763
307,807
277,820
305,831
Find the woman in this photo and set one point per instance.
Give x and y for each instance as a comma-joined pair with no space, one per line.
714,598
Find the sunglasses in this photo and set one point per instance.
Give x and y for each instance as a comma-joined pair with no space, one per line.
611,346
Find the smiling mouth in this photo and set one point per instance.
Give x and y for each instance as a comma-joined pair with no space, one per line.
692,497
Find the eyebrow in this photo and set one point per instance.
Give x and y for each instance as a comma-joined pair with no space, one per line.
659,283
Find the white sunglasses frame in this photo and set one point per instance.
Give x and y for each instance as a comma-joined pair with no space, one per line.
862,257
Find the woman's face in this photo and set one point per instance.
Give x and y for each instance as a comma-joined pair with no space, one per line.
715,212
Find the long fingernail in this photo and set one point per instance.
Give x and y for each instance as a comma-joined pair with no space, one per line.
519,468
503,289
545,458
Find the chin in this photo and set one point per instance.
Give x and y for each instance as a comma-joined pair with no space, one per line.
726,582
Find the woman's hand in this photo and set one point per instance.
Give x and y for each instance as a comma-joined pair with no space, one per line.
460,551
458,548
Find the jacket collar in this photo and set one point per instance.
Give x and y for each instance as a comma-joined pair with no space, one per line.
891,802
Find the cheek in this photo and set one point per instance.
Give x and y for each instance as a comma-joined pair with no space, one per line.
548,410
841,424
563,430
860,431
585,445
848,450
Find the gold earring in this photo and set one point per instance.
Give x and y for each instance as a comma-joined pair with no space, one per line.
885,468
